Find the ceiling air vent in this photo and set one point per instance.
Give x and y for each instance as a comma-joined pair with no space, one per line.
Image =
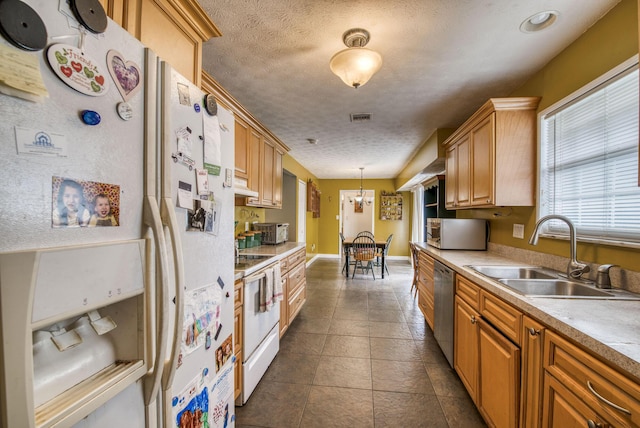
360,117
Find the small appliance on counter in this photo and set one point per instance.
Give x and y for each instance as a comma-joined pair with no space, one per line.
273,233
457,233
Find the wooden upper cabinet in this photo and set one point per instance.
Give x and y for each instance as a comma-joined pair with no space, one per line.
482,164
242,132
491,158
174,29
268,171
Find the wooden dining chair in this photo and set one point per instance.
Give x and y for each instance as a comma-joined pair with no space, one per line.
364,251
366,233
414,258
384,251
343,250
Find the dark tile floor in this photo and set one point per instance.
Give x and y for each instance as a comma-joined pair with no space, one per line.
359,354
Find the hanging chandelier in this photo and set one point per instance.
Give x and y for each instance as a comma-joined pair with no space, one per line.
356,64
361,198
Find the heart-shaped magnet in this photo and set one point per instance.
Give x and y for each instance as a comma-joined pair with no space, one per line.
126,74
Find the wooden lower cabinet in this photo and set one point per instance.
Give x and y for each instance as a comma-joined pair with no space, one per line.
584,391
486,361
426,287
294,287
563,409
532,372
498,396
238,299
465,353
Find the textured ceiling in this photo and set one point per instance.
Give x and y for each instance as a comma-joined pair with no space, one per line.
442,59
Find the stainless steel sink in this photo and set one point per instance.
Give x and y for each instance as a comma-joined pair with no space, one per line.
554,287
536,281
515,272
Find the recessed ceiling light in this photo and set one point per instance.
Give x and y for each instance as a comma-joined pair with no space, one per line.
539,21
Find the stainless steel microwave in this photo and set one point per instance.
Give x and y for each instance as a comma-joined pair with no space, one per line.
457,233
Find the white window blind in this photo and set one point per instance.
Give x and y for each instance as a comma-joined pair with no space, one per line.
589,161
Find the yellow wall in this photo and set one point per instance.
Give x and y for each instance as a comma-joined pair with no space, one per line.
330,208
291,165
608,43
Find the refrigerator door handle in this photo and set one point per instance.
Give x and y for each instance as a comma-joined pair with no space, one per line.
169,220
153,221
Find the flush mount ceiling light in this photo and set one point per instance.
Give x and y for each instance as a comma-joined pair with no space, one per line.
312,141
539,21
356,64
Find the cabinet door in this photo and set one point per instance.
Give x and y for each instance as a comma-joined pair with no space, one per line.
562,409
463,176
532,345
268,156
452,172
284,305
482,138
465,355
277,178
242,148
254,166
498,377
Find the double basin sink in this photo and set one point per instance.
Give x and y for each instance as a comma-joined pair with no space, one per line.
532,281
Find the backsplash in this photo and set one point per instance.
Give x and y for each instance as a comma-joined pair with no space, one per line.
620,278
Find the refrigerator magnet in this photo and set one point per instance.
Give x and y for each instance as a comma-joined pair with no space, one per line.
210,104
202,181
22,26
77,70
125,111
91,14
126,75
196,107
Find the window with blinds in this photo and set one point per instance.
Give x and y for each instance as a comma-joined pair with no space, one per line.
589,160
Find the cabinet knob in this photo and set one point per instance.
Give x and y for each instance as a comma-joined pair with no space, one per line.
473,319
592,424
534,332
488,201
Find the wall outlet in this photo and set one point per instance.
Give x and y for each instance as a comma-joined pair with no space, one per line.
518,231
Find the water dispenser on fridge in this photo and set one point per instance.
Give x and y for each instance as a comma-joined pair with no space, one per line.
73,329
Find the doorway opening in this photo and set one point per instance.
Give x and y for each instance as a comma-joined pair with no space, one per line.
353,218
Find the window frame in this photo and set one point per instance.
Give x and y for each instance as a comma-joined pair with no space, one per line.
558,105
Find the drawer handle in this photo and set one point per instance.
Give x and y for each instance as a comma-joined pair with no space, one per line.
473,319
601,398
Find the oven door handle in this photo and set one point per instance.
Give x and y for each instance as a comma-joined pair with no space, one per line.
256,277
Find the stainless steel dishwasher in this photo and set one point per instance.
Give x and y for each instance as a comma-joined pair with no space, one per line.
444,290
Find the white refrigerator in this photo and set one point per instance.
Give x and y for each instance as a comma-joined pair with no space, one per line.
118,325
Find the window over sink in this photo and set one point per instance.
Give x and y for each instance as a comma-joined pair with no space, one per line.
589,159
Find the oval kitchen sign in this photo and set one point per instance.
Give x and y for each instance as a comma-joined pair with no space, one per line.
77,70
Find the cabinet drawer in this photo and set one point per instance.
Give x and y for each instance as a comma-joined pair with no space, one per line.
296,277
296,258
238,294
425,260
284,265
468,291
296,301
607,391
503,316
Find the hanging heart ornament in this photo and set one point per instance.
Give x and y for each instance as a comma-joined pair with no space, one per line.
126,74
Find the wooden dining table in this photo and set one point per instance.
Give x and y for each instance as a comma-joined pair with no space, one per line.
348,243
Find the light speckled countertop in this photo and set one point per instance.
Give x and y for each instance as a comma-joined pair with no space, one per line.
609,328
275,252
